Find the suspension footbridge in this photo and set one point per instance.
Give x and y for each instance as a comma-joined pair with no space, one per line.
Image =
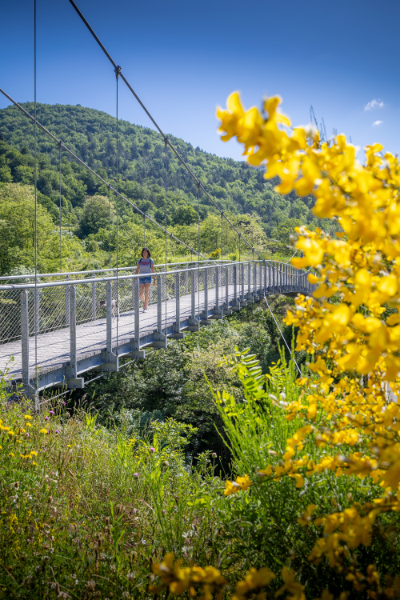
54,331
56,327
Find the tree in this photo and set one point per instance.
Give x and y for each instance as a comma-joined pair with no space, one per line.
184,215
96,215
17,227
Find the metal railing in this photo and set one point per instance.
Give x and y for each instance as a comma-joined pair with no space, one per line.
57,330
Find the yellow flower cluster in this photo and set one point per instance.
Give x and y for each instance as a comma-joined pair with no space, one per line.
211,584
351,324
191,580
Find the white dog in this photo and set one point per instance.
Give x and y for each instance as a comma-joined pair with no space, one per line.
114,306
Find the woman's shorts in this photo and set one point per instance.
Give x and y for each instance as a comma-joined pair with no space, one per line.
144,280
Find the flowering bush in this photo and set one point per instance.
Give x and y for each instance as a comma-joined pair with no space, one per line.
348,405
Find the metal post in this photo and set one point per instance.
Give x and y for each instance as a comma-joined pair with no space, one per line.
227,289
265,277
217,288
25,343
37,309
109,319
93,299
255,294
73,380
193,295
177,325
234,285
133,290
273,275
136,352
187,279
194,324
249,296
242,284
206,293
236,299
67,303
159,304
72,332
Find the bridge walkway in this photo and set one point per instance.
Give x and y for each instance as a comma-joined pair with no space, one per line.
76,334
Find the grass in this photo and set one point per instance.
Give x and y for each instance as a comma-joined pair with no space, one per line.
85,509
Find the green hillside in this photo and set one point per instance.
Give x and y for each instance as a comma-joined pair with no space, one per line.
144,167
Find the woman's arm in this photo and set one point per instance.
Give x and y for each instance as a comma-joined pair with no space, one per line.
137,270
152,268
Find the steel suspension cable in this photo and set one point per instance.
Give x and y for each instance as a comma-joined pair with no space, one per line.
198,250
80,161
117,71
59,160
109,225
166,237
165,137
36,304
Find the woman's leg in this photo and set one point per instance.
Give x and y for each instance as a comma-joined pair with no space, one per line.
147,287
142,292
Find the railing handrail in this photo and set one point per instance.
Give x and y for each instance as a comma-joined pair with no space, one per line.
67,273
26,286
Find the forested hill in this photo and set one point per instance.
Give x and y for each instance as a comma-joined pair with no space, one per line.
143,168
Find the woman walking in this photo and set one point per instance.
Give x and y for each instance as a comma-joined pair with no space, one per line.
145,267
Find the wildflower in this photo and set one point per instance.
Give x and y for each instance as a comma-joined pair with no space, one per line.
241,483
28,424
43,431
164,511
291,585
152,449
306,517
27,417
214,455
51,412
11,454
10,433
136,474
253,582
57,431
46,418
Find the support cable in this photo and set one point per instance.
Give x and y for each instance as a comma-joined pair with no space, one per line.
117,72
80,161
166,237
59,160
109,226
36,306
286,344
165,137
198,250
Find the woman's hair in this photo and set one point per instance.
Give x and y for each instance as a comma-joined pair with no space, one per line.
148,252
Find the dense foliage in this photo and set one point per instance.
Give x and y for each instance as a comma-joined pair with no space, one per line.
144,171
171,383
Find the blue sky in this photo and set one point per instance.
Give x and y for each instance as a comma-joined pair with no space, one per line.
184,58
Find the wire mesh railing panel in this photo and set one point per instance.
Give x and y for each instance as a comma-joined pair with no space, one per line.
211,287
10,315
169,299
52,309
91,335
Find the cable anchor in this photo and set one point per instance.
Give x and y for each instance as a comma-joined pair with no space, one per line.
117,71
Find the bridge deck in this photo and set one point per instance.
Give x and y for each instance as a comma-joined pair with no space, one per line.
53,349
